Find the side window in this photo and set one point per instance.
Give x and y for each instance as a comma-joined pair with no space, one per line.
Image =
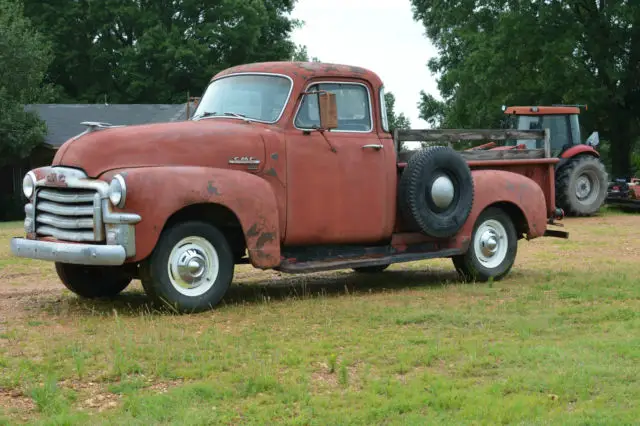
383,111
354,107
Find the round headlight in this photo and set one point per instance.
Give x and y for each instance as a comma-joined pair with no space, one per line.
28,184
117,191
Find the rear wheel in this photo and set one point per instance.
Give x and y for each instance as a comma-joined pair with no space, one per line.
91,281
581,186
190,269
493,248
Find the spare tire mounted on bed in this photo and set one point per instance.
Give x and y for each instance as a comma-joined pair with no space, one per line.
436,192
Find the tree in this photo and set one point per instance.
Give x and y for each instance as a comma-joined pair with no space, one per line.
154,51
24,57
495,52
396,121
302,55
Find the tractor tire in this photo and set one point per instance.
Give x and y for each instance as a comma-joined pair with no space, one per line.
436,191
581,186
92,282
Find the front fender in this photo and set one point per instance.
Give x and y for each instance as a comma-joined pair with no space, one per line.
156,193
499,186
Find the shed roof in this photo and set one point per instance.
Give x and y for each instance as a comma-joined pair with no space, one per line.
63,120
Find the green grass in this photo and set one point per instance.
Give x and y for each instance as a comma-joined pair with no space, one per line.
558,342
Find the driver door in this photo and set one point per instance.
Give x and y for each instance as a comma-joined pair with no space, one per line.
342,196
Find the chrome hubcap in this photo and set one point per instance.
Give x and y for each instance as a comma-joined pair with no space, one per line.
193,266
491,243
442,192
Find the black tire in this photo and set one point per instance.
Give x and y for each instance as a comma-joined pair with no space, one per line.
570,178
371,269
158,282
471,267
415,202
93,282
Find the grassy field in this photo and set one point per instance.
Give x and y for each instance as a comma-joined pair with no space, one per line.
558,342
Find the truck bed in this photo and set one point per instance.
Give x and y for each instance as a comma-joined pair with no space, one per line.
453,136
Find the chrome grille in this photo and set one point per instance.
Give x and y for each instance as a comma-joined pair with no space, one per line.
69,214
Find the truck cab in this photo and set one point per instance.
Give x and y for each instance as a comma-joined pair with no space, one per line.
283,165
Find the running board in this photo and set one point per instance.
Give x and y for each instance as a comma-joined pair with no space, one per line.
291,266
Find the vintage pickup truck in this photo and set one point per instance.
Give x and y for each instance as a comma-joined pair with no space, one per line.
285,166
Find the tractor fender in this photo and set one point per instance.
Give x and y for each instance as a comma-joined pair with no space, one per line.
521,197
156,193
575,151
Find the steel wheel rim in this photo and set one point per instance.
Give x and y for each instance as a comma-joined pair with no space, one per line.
491,243
193,266
587,187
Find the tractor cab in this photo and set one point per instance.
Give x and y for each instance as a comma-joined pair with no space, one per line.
563,123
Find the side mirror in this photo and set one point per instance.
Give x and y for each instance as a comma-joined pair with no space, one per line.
328,110
593,140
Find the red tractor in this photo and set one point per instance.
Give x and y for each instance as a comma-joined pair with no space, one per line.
581,178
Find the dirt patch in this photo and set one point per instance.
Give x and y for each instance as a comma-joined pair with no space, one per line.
17,402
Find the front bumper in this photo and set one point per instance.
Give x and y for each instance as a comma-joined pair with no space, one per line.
82,254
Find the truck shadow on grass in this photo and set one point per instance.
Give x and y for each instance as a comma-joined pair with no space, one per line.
287,288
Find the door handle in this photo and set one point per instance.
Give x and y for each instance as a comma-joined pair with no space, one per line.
374,146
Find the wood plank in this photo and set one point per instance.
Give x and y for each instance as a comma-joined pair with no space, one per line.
515,154
454,135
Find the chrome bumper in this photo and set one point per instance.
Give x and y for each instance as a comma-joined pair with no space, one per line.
82,254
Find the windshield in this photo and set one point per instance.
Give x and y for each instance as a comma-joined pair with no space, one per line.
255,97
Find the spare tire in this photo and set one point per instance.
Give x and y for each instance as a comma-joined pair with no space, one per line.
435,195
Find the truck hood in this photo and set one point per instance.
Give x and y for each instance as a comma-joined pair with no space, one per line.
208,143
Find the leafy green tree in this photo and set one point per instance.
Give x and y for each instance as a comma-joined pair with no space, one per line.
153,51
24,58
495,52
396,121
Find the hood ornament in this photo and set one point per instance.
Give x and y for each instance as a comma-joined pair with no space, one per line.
94,126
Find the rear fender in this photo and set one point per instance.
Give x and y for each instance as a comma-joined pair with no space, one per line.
513,189
578,150
156,193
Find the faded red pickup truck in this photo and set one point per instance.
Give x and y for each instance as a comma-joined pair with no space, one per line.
286,166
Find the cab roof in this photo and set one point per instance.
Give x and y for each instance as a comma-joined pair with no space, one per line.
542,110
305,70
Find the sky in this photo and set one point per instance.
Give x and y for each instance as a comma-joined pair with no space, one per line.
379,35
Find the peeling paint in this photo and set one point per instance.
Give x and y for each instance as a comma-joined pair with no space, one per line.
264,238
212,189
253,231
272,172
274,156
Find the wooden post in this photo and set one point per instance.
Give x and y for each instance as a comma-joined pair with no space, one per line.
547,144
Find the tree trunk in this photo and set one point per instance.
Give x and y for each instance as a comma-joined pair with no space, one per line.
621,143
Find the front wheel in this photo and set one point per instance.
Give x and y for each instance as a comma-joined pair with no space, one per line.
90,281
493,248
190,269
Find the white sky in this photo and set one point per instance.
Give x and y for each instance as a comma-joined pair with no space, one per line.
379,35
